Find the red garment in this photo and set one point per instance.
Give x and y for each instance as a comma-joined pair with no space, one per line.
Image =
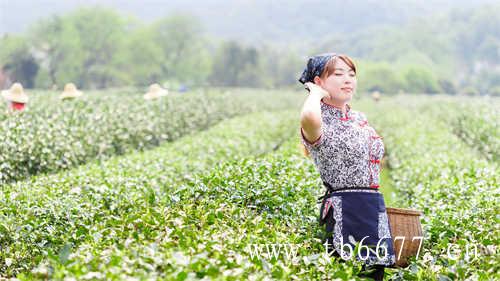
17,105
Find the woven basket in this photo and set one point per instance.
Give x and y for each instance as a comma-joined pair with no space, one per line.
405,222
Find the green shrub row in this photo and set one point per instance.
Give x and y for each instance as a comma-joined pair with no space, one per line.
211,220
206,231
123,197
455,187
53,135
480,128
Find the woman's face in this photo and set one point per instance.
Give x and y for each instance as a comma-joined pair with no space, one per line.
341,84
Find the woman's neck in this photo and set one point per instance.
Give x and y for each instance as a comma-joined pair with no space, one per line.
338,104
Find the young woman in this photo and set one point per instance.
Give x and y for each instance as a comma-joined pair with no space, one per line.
347,152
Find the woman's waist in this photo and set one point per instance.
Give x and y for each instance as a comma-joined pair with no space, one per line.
369,190
351,188
332,190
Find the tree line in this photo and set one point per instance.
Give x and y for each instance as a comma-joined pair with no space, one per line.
99,48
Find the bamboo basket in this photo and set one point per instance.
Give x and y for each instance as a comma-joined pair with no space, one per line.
405,222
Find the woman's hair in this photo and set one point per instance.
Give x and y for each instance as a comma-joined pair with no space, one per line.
327,71
330,65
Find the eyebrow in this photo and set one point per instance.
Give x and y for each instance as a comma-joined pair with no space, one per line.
342,69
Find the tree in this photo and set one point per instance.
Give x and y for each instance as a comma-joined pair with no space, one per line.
142,57
16,60
381,77
185,57
279,68
421,80
235,65
58,49
101,34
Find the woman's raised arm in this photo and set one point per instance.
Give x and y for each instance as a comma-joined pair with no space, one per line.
310,117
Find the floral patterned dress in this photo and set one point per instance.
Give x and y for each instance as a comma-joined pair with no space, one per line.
347,155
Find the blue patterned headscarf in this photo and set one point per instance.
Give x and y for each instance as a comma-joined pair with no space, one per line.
315,66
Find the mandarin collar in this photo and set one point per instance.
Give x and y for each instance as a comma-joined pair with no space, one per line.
337,112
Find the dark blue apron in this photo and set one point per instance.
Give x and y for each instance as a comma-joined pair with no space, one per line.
354,213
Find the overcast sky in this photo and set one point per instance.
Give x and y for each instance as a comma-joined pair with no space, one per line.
17,15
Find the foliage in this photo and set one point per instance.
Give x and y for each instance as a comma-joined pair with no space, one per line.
479,128
16,61
382,77
189,209
235,65
434,171
132,197
185,56
52,135
98,48
420,80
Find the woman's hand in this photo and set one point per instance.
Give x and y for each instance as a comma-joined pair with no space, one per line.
316,90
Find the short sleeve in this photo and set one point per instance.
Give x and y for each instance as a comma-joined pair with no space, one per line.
311,145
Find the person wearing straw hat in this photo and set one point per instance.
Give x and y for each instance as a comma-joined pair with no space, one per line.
70,92
347,152
16,97
155,91
376,96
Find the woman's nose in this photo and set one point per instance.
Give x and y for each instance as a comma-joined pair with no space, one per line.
349,79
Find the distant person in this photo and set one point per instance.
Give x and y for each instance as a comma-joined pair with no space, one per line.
376,96
347,153
15,97
70,92
155,92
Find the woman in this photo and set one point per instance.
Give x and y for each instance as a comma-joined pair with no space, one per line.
347,153
15,97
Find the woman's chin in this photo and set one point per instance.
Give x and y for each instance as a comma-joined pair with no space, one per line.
344,96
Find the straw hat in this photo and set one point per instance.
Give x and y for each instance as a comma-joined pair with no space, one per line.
70,92
155,91
376,96
15,94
